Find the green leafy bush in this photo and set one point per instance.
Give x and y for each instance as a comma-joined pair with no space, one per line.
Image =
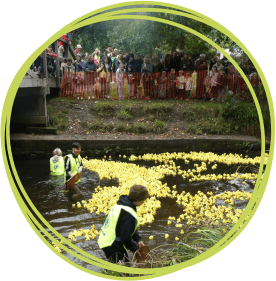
120,127
96,125
123,115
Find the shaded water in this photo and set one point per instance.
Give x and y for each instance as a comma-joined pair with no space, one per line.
55,206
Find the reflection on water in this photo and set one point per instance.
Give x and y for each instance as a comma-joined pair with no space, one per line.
55,206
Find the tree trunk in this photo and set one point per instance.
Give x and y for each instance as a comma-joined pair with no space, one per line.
173,49
182,41
151,53
182,37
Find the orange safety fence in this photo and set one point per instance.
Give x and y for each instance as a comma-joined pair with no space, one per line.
168,85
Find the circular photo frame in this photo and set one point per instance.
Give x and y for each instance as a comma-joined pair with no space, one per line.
170,17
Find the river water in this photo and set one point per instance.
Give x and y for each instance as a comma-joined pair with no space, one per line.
55,206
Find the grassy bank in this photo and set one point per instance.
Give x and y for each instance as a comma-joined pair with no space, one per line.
189,246
156,116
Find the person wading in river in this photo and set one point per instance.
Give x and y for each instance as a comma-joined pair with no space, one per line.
57,170
119,232
74,165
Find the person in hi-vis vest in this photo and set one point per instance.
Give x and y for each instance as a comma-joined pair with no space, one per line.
119,232
74,165
57,169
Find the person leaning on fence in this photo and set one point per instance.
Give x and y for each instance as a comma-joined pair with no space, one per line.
119,232
130,70
77,64
120,74
68,66
181,85
163,85
201,70
118,62
60,52
137,78
186,63
108,66
102,73
146,70
90,70
213,62
188,84
168,64
172,78
74,165
214,82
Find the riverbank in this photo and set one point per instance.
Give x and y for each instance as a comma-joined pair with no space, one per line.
41,146
165,118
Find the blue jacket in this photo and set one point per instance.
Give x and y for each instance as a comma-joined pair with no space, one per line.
149,68
90,66
78,67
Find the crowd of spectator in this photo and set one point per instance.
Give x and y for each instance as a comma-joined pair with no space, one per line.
169,75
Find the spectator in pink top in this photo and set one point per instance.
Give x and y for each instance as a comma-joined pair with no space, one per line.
78,50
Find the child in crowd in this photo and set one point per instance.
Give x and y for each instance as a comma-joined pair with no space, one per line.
119,232
172,84
214,80
103,79
181,85
188,84
120,81
163,85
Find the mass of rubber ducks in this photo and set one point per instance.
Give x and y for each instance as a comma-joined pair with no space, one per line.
196,208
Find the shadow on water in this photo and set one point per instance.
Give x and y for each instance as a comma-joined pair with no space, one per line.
53,203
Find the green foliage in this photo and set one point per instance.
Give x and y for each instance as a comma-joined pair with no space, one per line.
108,127
141,128
123,114
92,36
117,148
160,109
107,150
58,118
97,151
96,125
132,34
159,126
244,114
120,127
103,109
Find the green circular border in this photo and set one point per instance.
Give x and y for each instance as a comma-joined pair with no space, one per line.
33,216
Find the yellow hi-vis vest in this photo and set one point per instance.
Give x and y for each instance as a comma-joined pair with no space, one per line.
75,164
108,233
57,168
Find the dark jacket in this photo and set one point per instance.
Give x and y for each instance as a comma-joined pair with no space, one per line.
132,65
78,67
175,63
125,227
127,58
159,56
68,164
168,65
90,66
188,63
138,64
